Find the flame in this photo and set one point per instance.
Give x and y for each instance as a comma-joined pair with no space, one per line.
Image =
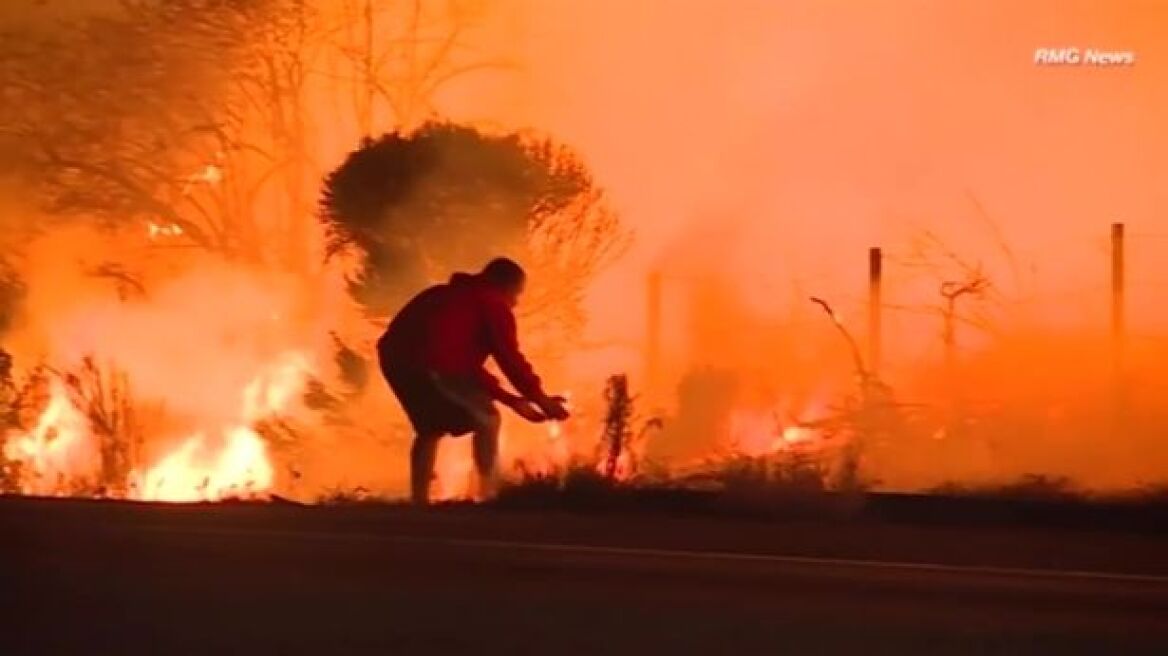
558,449
240,466
197,471
57,450
454,471
62,448
211,174
155,230
755,433
793,434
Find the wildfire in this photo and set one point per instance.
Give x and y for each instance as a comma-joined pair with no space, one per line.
62,449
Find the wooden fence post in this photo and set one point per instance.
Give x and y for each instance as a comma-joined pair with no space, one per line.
875,278
1118,316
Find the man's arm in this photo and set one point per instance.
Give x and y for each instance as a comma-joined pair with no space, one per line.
496,390
504,340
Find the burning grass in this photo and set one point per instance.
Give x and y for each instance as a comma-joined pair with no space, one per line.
158,393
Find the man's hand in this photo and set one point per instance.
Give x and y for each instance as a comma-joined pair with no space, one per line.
526,409
554,407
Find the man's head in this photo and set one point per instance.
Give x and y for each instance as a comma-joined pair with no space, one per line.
507,276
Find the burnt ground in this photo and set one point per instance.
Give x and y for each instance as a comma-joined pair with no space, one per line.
903,576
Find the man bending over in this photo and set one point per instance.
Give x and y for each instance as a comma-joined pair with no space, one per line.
432,355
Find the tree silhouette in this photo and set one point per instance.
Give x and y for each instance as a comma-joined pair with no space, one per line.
415,206
198,122
12,289
118,117
396,55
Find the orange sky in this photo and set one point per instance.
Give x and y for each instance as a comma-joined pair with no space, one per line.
795,134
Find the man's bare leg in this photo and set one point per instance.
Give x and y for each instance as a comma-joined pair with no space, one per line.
423,454
486,453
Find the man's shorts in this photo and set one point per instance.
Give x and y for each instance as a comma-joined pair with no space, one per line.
441,405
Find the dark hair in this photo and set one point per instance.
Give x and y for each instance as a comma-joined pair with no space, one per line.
504,272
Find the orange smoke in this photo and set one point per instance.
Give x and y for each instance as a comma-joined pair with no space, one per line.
208,353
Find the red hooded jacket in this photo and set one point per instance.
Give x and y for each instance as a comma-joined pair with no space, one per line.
451,329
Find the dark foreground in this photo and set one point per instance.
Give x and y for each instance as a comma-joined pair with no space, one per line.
109,578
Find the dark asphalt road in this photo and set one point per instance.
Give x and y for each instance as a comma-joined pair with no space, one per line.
102,578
